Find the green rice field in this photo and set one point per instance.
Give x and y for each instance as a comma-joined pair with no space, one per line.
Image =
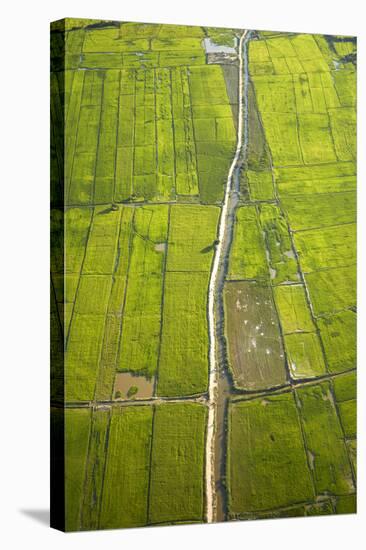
144,133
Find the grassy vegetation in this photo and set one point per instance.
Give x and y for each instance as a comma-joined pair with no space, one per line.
304,354
183,364
248,257
91,303
153,81
142,312
57,351
332,290
281,258
338,333
274,473
262,247
329,209
192,234
94,333
76,222
82,357
125,491
177,464
144,482
346,504
77,428
113,322
324,440
149,138
260,185
305,92
293,309
94,473
345,392
215,148
326,248
102,242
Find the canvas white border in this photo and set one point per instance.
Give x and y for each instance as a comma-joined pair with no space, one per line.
24,272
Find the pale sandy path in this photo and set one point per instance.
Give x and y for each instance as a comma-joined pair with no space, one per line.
213,362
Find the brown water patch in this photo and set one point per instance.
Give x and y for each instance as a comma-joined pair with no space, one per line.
130,386
160,247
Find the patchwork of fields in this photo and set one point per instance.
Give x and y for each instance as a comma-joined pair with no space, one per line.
290,295
137,187
121,467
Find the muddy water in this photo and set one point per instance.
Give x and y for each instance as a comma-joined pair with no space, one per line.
125,381
223,393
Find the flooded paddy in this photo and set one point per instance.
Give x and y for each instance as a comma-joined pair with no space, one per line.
253,334
130,386
211,47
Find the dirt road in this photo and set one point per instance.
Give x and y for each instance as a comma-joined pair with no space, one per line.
217,278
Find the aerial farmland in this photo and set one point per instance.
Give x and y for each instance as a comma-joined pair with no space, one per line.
203,273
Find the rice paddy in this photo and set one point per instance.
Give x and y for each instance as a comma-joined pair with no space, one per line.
138,183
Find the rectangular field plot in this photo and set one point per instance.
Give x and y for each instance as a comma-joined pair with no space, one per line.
83,355
248,258
343,123
325,440
267,461
177,464
338,334
326,247
316,139
126,480
102,242
345,392
260,185
109,354
285,151
328,209
184,137
183,363
331,184
77,428
215,136
95,465
192,234
332,290
305,355
316,179
77,222
256,355
142,310
293,309
278,246
93,294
